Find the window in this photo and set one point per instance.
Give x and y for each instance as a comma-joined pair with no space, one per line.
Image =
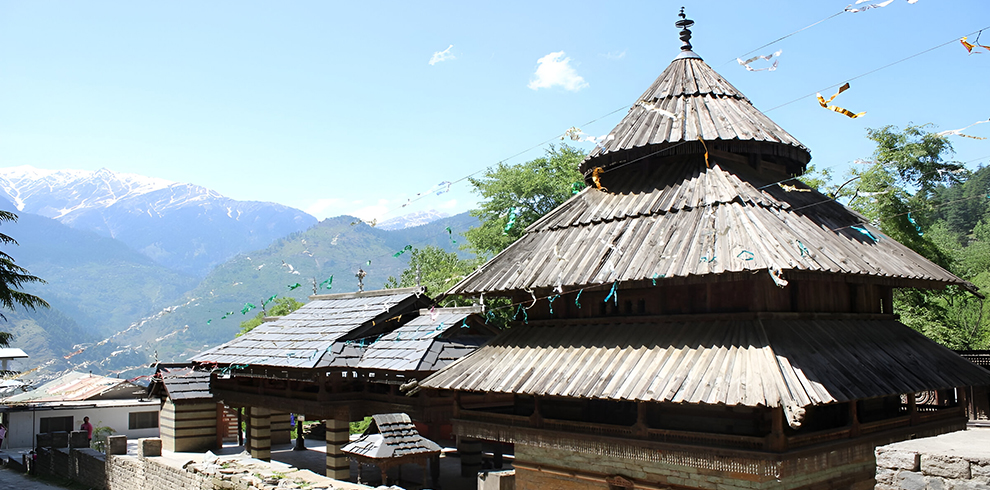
57,424
142,420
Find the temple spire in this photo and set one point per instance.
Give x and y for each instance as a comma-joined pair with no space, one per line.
684,24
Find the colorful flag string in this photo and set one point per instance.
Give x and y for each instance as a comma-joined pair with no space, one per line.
969,46
767,58
958,132
825,103
450,233
407,248
596,177
328,283
294,286
247,307
513,214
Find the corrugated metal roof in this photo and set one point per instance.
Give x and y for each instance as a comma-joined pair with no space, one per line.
314,334
396,437
705,106
76,386
427,343
684,219
752,362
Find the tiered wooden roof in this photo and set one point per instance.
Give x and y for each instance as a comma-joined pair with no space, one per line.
663,212
180,383
679,219
746,360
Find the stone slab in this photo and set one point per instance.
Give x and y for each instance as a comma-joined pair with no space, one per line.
972,444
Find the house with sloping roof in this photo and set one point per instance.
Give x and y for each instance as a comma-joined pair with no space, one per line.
339,358
61,404
701,318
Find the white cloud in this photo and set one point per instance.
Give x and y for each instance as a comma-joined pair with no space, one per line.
555,69
442,56
318,208
612,55
451,204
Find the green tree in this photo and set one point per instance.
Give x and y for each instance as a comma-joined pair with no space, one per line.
12,279
524,191
438,270
280,307
902,192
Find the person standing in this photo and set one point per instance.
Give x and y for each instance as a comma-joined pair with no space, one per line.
3,433
88,427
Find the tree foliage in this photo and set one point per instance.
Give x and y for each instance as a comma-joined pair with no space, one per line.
280,307
532,188
12,279
917,196
438,270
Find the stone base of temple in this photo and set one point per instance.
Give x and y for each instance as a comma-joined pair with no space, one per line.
550,460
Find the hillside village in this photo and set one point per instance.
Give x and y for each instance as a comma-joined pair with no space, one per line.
696,313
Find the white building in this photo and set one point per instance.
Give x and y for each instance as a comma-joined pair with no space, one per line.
60,405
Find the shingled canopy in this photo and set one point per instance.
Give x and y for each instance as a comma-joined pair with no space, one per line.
180,383
392,440
434,339
329,331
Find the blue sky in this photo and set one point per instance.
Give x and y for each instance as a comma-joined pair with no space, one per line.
335,108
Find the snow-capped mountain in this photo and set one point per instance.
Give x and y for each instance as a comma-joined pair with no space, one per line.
412,219
185,227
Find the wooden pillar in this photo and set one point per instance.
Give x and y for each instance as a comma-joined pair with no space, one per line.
640,429
240,422
776,440
338,433
260,433
854,429
470,452
913,408
536,419
434,472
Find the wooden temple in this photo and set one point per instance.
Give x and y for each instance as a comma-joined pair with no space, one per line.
340,358
705,319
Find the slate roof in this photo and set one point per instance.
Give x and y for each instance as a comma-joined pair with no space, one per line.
76,386
391,435
682,219
427,343
706,106
751,362
181,383
316,334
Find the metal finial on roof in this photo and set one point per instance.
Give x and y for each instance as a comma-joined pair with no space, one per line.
684,23
360,276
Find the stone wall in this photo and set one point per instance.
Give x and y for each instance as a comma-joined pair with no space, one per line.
553,469
83,465
959,460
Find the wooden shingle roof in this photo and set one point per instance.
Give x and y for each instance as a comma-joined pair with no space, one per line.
181,383
316,334
747,361
688,101
427,343
391,435
683,219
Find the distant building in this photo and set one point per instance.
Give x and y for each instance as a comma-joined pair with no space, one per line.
61,404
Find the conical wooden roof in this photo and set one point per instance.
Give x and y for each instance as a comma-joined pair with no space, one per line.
691,101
